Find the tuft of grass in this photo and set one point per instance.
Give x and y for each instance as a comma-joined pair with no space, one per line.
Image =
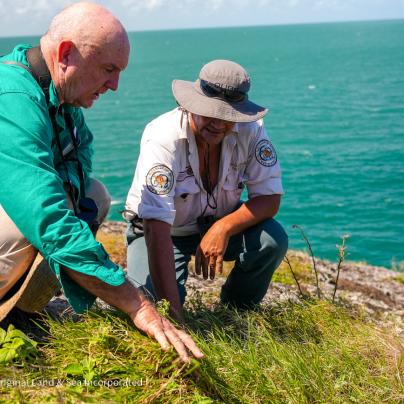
399,278
312,351
302,270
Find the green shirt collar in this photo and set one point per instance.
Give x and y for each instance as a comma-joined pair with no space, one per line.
53,96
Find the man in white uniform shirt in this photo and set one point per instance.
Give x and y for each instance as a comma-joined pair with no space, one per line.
185,197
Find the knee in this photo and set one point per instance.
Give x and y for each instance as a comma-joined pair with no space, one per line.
11,239
99,193
274,239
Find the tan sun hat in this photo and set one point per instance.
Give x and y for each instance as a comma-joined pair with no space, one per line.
39,286
221,91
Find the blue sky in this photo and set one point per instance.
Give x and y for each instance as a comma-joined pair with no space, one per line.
31,17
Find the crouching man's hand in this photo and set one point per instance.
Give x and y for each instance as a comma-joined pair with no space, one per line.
210,252
149,320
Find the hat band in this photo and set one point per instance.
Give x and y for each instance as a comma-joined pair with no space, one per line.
229,95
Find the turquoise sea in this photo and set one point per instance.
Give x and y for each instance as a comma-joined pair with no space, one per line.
336,98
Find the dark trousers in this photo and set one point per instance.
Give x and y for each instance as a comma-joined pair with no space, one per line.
257,252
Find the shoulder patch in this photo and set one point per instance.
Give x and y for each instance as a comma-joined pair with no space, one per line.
265,153
160,180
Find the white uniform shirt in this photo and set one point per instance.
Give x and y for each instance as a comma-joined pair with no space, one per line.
167,185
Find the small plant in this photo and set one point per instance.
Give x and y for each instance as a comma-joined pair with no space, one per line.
15,345
341,258
397,266
85,369
295,226
286,259
341,255
163,307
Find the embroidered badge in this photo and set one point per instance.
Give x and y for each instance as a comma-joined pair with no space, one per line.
265,153
160,180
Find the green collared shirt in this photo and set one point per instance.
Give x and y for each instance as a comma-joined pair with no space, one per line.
32,177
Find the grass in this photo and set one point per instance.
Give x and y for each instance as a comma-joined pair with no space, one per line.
311,352
399,278
302,269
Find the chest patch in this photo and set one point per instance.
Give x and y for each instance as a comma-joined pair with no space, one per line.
160,180
265,153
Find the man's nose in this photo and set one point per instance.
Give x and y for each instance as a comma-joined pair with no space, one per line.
113,81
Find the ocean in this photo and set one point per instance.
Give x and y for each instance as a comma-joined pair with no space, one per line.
336,97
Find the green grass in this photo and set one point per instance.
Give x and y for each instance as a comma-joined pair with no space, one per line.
399,278
307,352
302,269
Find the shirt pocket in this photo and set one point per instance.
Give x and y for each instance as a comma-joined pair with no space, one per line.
232,188
235,179
186,187
187,202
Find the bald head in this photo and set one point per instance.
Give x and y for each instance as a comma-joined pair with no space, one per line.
88,25
85,49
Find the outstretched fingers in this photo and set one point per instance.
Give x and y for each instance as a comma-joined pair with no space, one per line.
190,344
150,321
167,335
182,342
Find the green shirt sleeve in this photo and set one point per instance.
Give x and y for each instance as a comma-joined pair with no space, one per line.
32,194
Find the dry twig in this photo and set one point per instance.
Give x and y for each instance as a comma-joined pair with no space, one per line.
286,259
295,226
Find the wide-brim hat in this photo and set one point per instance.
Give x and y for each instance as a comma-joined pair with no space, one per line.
38,287
221,91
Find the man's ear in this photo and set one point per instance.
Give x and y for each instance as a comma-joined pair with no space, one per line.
64,53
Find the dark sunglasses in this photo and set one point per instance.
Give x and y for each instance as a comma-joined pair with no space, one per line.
225,94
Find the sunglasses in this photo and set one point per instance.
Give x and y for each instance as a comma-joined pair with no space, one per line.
212,90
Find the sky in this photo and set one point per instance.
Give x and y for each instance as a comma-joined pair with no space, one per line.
31,17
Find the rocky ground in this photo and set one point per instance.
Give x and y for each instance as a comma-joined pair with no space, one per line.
377,291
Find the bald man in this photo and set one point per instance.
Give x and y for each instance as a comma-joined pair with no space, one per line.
48,201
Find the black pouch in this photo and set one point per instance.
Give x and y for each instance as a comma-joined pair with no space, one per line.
88,212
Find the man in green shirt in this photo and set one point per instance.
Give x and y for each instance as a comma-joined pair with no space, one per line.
45,165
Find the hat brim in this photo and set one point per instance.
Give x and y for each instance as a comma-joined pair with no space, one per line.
195,101
39,277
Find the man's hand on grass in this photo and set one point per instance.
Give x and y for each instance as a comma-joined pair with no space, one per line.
142,312
148,319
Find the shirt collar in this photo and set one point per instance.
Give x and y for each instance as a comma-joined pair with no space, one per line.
53,97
